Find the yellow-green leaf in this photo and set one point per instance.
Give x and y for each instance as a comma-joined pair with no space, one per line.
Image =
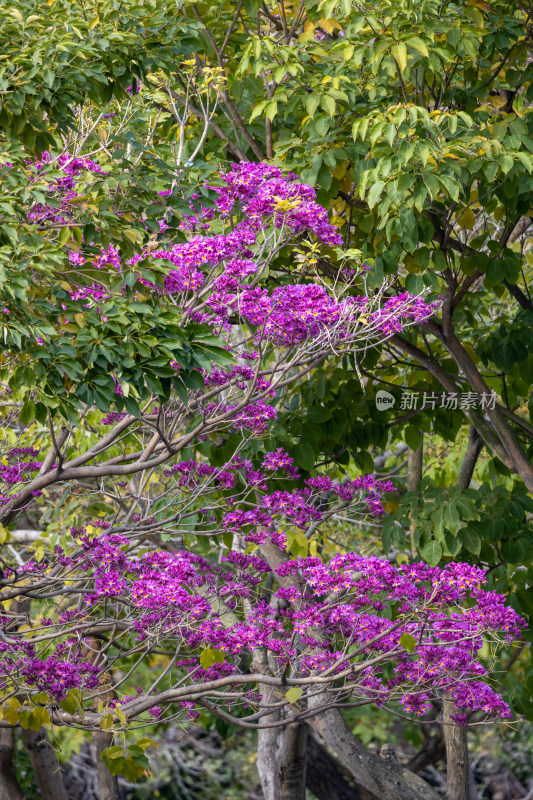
417,43
209,656
294,694
467,220
399,52
64,236
106,723
408,642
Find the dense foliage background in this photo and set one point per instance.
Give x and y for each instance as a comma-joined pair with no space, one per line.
413,123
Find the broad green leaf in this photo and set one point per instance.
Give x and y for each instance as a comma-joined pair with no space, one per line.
432,553
375,192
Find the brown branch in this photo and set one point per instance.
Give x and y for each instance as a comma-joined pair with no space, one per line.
474,417
232,25
197,113
234,114
519,460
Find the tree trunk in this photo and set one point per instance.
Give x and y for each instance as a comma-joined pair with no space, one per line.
9,787
281,759
45,765
107,783
458,770
324,777
381,777
460,782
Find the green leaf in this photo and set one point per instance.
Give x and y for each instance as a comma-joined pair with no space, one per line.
408,642
518,551
329,105
470,540
375,193
432,553
413,437
69,705
64,236
450,517
304,455
294,694
113,752
311,104
27,412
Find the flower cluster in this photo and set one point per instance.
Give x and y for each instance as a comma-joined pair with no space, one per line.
384,633
336,620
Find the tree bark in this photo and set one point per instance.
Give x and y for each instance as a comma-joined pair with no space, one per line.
325,778
107,783
383,778
45,765
457,764
281,758
9,787
473,449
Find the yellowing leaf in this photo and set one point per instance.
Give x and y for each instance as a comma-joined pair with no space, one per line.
106,723
294,694
467,219
210,656
498,101
470,350
340,169
399,52
390,507
480,4
16,13
408,642
329,24
11,716
348,52
132,235
417,43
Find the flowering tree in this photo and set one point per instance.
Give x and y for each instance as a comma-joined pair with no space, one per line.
150,359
